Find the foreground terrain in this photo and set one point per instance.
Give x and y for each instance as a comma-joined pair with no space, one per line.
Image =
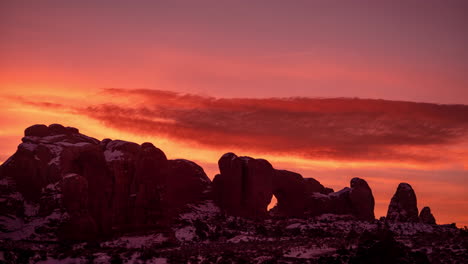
205,235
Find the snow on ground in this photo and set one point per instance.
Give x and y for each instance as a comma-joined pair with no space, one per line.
69,175
68,144
30,209
101,258
203,210
408,229
242,238
307,252
262,259
340,192
63,261
10,222
28,146
24,230
157,261
185,234
56,152
135,241
112,155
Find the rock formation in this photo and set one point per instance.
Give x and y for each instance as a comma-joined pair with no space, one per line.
362,199
356,200
93,188
290,191
87,189
403,206
245,187
426,216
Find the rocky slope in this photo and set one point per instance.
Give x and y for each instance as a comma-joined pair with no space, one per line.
71,198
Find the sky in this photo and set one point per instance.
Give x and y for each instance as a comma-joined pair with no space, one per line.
329,89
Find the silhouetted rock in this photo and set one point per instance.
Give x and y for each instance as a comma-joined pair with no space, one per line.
244,186
96,187
188,183
426,216
36,131
362,200
312,186
403,206
357,201
79,225
290,190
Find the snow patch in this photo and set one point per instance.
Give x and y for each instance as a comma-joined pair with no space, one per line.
242,238
30,209
28,146
68,144
56,152
135,241
307,252
70,175
293,226
340,192
157,261
203,210
185,233
63,261
112,155
22,230
101,258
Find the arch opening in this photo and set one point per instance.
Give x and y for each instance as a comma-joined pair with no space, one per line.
273,203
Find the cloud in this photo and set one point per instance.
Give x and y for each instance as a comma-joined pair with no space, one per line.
349,129
339,128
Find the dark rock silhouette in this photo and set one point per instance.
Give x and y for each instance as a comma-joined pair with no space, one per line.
403,206
362,200
290,191
81,225
97,186
129,202
93,189
186,182
244,185
356,200
426,216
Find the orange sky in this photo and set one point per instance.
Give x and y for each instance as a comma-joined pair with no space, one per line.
202,79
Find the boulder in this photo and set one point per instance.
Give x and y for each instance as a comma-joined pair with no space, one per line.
426,216
403,206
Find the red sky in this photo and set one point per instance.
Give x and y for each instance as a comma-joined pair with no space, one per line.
200,78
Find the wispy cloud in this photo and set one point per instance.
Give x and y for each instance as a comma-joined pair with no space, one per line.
339,128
